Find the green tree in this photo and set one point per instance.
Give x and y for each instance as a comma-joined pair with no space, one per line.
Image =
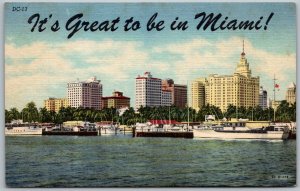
7,116
14,114
30,113
285,112
44,115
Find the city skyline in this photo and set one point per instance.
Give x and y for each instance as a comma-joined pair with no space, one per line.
46,62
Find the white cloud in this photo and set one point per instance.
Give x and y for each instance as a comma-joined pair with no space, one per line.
199,58
39,70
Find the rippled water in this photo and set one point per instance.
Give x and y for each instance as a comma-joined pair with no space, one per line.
123,161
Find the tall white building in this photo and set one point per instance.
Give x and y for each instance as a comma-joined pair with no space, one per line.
240,89
86,94
263,98
291,93
198,93
147,91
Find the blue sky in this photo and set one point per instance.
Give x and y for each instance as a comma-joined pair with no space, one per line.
39,65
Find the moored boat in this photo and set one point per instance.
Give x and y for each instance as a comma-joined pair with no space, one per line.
81,129
109,130
23,129
238,130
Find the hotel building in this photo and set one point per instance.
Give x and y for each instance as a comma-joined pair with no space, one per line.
148,91
86,94
291,93
117,100
166,98
198,93
178,92
239,89
263,98
55,104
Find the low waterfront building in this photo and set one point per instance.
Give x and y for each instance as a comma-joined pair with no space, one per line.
117,100
55,104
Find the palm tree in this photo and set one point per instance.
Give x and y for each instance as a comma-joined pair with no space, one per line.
284,112
44,115
14,113
30,112
7,116
66,114
293,112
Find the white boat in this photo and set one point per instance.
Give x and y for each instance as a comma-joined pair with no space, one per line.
237,130
109,130
23,129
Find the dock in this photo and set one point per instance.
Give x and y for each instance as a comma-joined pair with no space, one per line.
292,135
180,134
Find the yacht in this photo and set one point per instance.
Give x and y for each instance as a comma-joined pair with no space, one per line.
109,129
238,130
22,129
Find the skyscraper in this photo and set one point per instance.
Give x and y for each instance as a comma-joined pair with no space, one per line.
198,93
178,92
86,94
148,91
239,89
291,93
263,98
166,98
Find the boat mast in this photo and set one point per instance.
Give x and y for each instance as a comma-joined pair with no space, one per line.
169,116
188,124
274,102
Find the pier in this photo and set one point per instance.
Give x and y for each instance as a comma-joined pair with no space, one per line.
174,134
165,134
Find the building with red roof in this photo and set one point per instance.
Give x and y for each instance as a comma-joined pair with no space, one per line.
117,100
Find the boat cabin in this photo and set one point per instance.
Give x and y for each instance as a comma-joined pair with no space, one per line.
276,128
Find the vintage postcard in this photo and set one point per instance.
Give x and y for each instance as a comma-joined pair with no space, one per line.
150,95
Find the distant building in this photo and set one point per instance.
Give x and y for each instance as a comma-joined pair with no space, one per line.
86,94
117,100
178,92
55,104
263,98
291,93
275,104
166,98
198,93
50,104
147,91
239,89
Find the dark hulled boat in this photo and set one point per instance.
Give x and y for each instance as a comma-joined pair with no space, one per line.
87,130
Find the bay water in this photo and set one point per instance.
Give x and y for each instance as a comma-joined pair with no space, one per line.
123,161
